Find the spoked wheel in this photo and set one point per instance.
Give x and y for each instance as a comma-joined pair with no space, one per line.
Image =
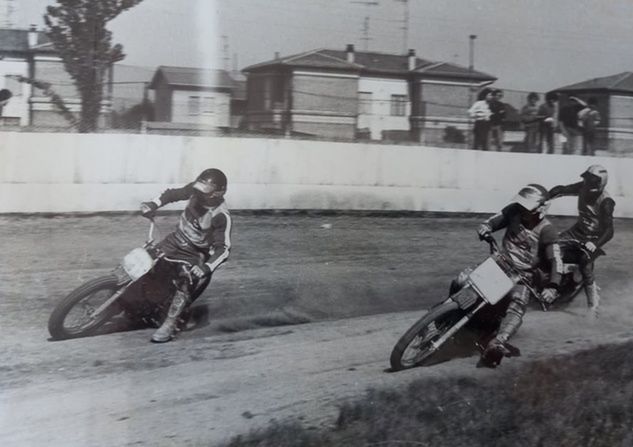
415,347
75,315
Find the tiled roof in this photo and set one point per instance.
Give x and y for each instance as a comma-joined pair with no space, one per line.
193,77
449,69
373,62
619,82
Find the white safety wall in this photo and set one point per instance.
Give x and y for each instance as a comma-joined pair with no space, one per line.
112,172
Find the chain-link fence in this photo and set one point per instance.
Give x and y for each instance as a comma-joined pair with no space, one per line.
131,104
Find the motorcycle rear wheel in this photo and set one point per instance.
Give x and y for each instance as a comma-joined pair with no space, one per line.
80,304
414,347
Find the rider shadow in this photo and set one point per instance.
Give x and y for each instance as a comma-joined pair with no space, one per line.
464,346
468,344
198,317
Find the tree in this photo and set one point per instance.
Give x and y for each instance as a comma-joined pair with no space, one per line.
77,29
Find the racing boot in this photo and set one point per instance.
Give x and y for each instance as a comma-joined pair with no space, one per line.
492,355
593,301
167,330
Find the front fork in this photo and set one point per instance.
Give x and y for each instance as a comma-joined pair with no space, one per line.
110,300
435,344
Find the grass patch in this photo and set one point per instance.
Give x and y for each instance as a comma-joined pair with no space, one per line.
580,399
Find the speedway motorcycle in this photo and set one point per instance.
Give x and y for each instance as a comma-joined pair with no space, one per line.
571,281
139,289
470,317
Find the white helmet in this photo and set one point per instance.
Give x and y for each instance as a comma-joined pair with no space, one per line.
595,178
534,199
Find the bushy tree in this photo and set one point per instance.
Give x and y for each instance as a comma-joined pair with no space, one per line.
77,29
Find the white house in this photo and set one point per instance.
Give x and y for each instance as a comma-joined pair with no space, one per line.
14,61
193,96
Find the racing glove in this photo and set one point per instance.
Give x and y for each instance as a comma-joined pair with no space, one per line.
148,209
591,247
484,231
549,295
201,271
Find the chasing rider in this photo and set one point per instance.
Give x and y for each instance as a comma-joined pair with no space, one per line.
529,240
203,238
593,229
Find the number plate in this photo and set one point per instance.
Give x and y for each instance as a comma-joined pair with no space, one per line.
137,263
490,281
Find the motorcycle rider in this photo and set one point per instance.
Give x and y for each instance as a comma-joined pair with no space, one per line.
203,238
529,240
593,229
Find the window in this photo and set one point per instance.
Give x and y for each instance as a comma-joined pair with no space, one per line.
398,105
364,103
193,105
208,105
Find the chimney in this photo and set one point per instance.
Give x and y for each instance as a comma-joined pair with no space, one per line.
32,36
276,55
350,53
411,59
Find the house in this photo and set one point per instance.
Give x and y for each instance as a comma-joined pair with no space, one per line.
30,54
15,61
350,94
193,98
615,103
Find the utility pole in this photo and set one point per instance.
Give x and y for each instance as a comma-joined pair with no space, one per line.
367,4
471,60
471,68
405,26
235,65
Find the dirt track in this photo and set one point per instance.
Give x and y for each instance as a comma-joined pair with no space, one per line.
118,389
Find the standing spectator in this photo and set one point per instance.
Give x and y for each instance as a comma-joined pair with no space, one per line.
588,120
497,117
480,112
568,123
531,122
549,111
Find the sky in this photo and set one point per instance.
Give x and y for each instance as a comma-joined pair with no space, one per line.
527,44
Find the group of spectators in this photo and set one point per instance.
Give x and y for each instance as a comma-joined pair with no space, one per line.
576,121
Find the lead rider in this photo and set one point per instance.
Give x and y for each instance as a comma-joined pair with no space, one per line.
529,240
203,238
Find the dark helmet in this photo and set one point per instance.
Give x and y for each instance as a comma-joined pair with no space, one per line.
534,199
210,186
595,177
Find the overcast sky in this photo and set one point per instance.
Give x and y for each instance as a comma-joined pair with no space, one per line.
528,44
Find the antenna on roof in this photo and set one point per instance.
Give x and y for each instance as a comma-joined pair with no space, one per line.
405,26
367,4
7,9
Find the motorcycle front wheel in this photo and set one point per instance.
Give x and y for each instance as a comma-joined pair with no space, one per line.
415,347
74,315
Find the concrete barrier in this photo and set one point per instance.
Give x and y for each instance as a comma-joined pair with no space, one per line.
114,172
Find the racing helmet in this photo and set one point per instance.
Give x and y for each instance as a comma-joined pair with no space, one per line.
595,177
210,186
534,199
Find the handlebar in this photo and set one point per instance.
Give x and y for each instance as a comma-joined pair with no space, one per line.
581,247
152,225
185,266
492,242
